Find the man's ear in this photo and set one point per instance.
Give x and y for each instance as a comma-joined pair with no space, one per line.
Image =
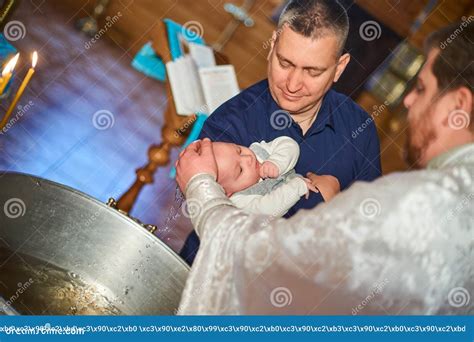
460,116
459,111
464,99
272,44
341,65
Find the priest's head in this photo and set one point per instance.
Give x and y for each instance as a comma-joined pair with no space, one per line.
306,54
440,106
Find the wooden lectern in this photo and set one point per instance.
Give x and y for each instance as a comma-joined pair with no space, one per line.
174,132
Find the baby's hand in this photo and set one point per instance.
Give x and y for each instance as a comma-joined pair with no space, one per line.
269,170
310,186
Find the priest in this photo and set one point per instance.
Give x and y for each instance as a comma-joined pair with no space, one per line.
400,245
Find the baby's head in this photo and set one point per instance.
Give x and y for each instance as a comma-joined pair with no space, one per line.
237,167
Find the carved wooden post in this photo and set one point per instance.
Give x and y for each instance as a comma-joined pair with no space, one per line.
174,132
158,155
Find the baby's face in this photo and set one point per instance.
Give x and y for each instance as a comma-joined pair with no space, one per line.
237,167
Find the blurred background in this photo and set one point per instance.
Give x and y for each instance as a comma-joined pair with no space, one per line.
85,70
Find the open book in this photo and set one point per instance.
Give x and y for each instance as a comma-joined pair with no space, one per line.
197,84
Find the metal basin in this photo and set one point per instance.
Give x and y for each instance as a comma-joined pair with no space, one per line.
64,253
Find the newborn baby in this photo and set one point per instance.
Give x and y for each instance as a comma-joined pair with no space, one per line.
260,179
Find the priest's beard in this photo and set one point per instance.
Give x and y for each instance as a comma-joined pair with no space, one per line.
421,132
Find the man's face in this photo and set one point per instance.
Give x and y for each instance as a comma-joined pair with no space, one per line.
237,167
425,112
301,70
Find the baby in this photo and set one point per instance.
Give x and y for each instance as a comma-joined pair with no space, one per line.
261,178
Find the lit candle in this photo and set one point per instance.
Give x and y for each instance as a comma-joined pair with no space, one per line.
20,91
7,73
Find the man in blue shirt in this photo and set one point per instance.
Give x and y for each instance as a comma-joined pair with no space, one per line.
336,137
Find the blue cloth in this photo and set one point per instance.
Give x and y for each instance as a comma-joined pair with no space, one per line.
148,63
174,31
342,141
7,51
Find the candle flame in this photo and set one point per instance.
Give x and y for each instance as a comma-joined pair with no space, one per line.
10,65
34,59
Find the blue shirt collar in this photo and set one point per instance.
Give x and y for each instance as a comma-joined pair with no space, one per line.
323,119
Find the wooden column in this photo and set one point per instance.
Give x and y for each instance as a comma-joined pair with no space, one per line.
173,133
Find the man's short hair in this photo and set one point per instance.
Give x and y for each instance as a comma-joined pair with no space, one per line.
453,67
317,18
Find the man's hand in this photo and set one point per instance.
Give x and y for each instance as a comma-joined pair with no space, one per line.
269,170
326,184
196,158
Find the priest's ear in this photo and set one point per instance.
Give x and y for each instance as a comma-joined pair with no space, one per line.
341,65
461,114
